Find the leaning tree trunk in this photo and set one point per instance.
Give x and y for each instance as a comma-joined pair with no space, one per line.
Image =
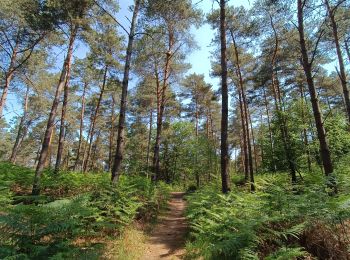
22,129
307,66
224,97
119,153
342,74
94,119
51,120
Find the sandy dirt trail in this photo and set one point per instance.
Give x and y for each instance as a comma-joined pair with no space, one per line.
167,240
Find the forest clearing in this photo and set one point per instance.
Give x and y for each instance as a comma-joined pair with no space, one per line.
174,129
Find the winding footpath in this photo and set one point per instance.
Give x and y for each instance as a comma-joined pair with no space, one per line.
167,240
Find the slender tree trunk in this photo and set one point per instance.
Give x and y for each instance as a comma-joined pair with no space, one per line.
87,143
305,141
121,125
22,129
342,74
279,110
161,99
245,113
270,132
94,119
307,65
81,127
51,120
244,138
149,136
253,140
224,97
111,136
8,78
62,134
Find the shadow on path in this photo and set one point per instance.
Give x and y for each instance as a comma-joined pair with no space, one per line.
167,241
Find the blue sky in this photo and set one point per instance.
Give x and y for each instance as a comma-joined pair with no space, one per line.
199,59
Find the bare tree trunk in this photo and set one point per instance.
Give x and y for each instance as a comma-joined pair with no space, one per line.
111,136
149,136
245,113
161,99
224,106
62,134
81,127
121,125
253,139
9,76
307,65
22,129
270,132
52,117
278,105
94,119
342,74
244,139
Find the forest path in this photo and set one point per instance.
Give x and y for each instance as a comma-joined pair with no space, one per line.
167,240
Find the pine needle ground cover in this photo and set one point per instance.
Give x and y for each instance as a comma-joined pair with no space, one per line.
76,215
276,222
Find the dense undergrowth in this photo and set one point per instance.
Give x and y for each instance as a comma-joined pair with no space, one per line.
75,217
276,222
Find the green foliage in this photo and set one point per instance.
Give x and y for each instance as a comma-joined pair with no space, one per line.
267,224
74,207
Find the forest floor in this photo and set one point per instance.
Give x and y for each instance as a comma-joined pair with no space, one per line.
167,240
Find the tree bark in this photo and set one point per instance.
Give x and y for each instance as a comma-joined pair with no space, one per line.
342,73
253,140
307,66
94,119
270,131
52,117
111,136
282,120
22,129
8,78
81,127
245,114
161,99
121,124
62,134
149,136
224,97
244,138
